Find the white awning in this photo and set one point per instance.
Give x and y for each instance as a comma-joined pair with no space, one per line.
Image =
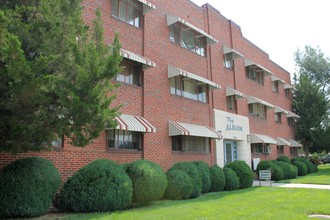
280,110
179,128
134,123
295,143
137,58
282,141
234,54
231,91
275,78
288,86
261,68
252,100
259,138
171,19
174,71
147,6
292,115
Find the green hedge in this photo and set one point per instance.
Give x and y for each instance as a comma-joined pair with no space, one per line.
190,169
98,187
244,173
302,168
293,172
179,185
28,187
204,172
218,179
284,159
148,179
232,180
285,167
310,166
277,172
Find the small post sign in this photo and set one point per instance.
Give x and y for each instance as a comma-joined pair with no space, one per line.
265,175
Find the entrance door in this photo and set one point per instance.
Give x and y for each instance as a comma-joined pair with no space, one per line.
230,151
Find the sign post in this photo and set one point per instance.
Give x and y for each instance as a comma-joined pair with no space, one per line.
265,175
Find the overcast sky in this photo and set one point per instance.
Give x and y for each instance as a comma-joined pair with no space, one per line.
280,27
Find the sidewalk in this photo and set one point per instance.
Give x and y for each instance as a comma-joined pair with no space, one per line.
291,185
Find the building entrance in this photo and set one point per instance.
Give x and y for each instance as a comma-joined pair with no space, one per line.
230,151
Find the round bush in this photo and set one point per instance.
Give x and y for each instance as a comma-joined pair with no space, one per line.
302,168
293,172
28,187
285,167
179,185
190,169
284,159
310,166
218,179
232,180
99,186
277,172
148,179
204,172
244,173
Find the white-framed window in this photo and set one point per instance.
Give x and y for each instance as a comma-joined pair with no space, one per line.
228,61
120,139
257,110
261,148
278,117
130,11
131,74
255,74
190,144
275,86
231,102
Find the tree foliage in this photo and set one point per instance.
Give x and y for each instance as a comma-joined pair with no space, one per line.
55,75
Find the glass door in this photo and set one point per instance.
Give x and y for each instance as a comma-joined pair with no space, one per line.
230,151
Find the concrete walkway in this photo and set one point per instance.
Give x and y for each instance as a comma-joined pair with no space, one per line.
291,185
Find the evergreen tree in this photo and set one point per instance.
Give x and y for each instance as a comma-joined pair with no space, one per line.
55,75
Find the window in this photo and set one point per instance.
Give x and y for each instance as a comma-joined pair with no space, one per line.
188,38
190,143
131,73
228,61
189,88
275,86
253,73
231,102
230,151
260,148
293,152
129,11
278,117
280,150
291,122
58,142
120,139
258,110
288,93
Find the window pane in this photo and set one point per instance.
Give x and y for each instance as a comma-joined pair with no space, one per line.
177,143
189,89
122,10
130,15
114,7
111,138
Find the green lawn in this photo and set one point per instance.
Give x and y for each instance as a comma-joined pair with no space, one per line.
321,177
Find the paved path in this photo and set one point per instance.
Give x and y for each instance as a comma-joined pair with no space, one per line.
291,185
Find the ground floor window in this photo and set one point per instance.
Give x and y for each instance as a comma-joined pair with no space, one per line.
293,152
261,148
280,150
120,139
190,143
230,151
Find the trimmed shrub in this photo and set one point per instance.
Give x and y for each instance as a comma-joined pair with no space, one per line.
285,167
28,187
179,185
283,159
302,168
218,179
204,172
315,168
309,165
293,172
148,179
190,169
232,180
243,171
99,186
277,172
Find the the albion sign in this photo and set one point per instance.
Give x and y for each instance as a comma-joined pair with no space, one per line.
231,126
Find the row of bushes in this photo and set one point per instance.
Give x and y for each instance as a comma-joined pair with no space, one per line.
28,186
284,168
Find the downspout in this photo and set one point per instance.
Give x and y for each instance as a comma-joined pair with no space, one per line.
234,71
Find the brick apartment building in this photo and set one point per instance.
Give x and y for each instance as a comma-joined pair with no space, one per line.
193,89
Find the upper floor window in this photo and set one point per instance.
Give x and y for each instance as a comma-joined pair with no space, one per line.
228,61
291,122
275,86
231,102
288,93
188,38
190,143
130,11
278,117
258,110
252,73
121,139
131,74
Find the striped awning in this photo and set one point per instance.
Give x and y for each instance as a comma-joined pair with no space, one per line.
179,128
171,19
147,6
288,86
259,138
234,54
231,91
174,71
275,78
280,110
295,143
252,100
282,141
261,68
134,123
137,58
292,115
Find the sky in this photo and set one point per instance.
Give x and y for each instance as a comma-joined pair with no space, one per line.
280,27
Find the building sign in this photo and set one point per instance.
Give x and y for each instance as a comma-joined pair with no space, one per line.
265,175
232,126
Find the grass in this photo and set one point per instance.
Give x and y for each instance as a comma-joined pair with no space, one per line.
321,177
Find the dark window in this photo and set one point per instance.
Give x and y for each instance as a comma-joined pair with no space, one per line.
275,86
291,122
280,150
278,117
231,102
188,38
228,61
120,139
288,93
131,73
261,148
258,110
190,143
255,74
293,152
129,11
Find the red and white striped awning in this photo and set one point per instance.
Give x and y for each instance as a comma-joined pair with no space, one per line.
137,58
260,138
282,141
134,123
231,91
295,143
179,128
252,100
